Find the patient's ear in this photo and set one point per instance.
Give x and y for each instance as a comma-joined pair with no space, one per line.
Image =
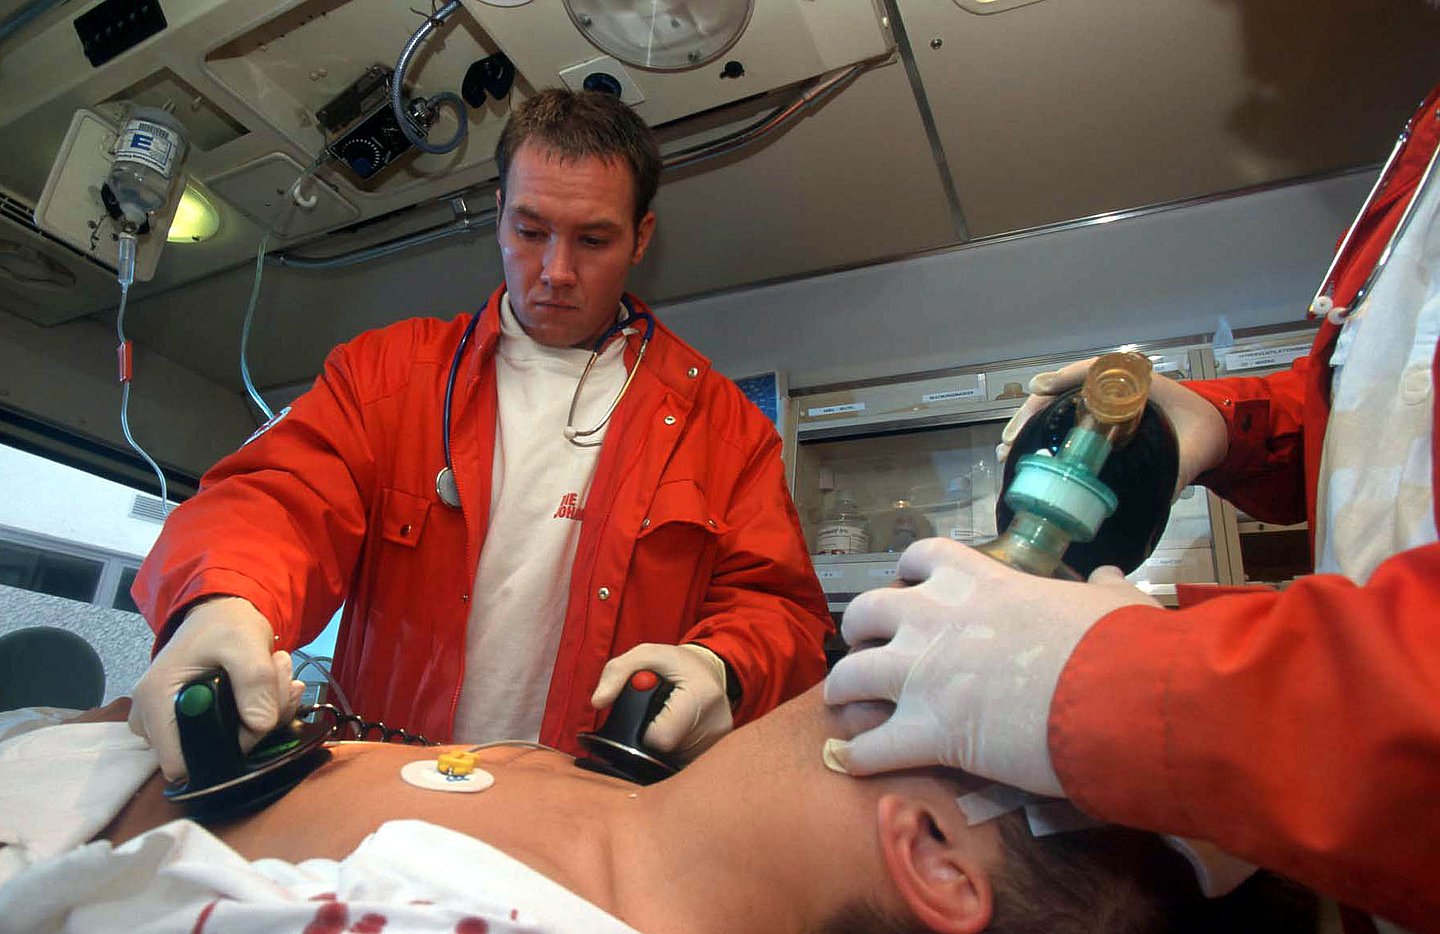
942,878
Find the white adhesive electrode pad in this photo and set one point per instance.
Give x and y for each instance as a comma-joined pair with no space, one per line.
422,773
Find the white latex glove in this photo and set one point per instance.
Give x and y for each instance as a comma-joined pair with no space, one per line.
970,656
1199,427
697,712
229,633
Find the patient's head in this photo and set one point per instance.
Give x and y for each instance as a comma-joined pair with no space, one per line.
913,863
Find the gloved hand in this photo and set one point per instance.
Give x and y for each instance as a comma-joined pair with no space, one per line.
1199,427
970,656
229,633
697,712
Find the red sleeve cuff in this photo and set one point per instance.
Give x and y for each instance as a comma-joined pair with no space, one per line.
1108,721
224,583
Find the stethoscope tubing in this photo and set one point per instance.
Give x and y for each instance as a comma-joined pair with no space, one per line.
445,486
1323,303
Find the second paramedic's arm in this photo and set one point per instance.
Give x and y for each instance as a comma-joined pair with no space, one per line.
763,611
1263,471
1299,730
1241,437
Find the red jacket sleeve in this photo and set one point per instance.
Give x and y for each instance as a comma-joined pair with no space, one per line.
764,612
1299,730
281,520
1264,470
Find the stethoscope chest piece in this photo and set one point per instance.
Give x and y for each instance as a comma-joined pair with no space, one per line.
446,489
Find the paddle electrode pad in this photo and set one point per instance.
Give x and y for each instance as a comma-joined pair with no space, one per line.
616,749
222,781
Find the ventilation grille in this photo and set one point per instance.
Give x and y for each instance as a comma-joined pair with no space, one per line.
17,211
23,214
148,508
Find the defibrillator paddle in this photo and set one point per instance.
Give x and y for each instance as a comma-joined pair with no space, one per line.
222,781
616,748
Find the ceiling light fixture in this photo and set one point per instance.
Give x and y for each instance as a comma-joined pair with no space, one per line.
662,35
196,218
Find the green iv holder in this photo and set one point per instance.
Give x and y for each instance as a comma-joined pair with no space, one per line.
1059,498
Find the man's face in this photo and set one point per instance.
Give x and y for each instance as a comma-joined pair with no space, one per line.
567,241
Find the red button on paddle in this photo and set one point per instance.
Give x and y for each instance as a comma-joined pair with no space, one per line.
643,680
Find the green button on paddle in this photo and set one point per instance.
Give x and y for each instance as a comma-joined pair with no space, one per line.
195,700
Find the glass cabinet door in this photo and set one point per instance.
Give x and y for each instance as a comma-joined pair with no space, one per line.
863,500
877,494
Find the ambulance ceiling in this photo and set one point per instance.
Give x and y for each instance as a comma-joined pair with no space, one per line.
962,120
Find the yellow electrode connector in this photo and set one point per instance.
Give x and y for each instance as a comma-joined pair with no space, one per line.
458,762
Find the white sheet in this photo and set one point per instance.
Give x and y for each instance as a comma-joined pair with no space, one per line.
59,786
407,876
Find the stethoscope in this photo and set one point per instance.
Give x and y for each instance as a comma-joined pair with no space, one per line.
1324,301
445,486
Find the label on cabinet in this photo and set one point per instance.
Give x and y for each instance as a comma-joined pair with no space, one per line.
835,409
950,395
1264,357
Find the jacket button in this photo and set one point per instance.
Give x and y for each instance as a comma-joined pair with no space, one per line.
603,593
710,522
464,598
669,419
405,530
645,523
693,372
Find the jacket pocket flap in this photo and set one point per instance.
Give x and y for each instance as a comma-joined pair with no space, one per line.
682,502
403,517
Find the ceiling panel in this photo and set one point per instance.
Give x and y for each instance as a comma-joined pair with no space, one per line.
1068,108
852,182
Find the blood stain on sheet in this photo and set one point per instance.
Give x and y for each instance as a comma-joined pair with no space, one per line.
199,927
472,926
331,918
370,924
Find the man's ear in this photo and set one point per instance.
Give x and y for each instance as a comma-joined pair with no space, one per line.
945,883
643,231
499,206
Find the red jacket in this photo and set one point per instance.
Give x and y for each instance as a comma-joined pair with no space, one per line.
689,533
1298,729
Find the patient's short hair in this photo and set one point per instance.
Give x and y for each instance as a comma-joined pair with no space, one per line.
1107,880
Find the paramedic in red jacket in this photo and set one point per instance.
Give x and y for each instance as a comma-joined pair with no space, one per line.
661,537
1297,729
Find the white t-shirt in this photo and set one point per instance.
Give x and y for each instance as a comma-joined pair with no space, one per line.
1376,495
540,484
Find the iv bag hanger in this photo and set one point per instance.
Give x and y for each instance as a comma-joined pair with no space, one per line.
71,207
